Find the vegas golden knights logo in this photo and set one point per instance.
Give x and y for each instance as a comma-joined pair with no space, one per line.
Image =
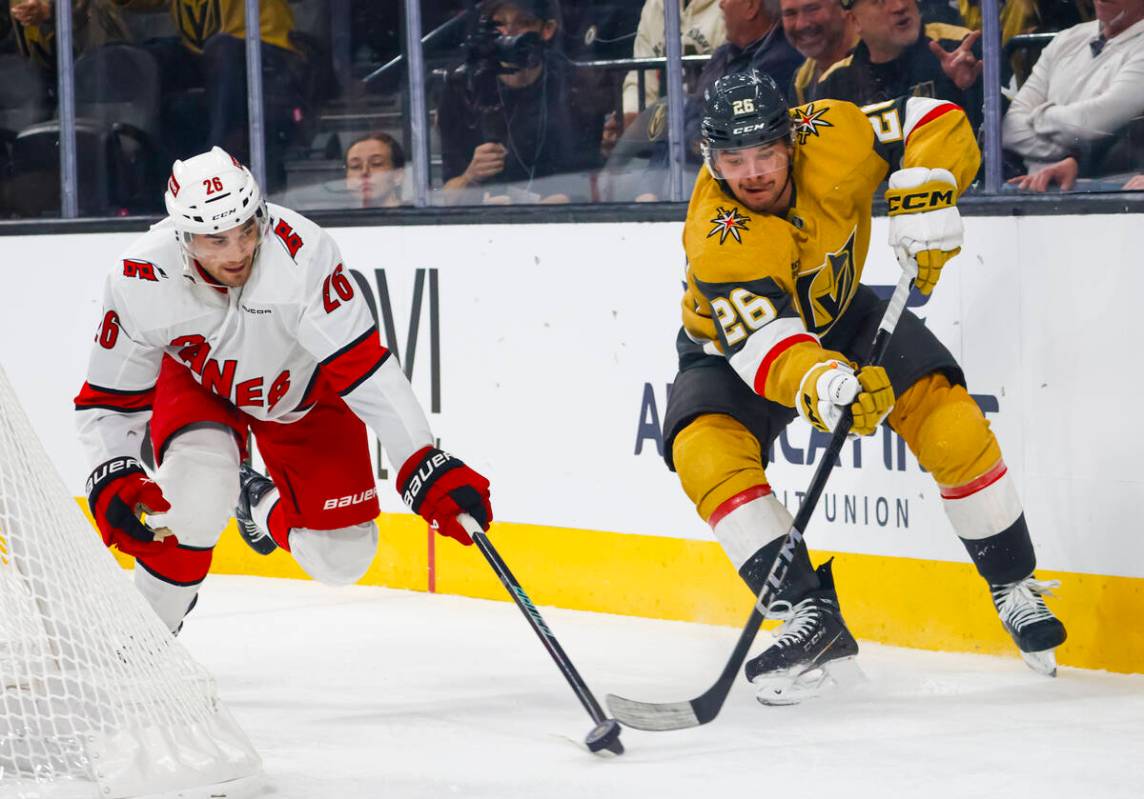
825,292
199,20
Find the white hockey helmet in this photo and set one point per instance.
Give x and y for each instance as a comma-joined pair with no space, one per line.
210,193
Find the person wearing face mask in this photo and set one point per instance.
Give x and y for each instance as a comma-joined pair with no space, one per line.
375,168
512,129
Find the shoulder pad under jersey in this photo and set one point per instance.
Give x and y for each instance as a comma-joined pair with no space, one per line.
727,242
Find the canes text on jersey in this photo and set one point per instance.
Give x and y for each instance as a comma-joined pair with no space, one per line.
194,351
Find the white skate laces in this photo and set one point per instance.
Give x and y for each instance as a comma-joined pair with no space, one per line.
1033,627
1022,603
797,620
812,652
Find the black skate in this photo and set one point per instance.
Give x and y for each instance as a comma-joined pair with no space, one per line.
1035,630
253,487
813,650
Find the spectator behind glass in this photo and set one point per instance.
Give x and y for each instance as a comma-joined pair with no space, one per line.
33,24
897,57
210,54
701,28
1029,16
513,133
375,168
823,34
1085,89
755,41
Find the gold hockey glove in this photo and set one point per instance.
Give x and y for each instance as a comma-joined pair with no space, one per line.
830,386
925,226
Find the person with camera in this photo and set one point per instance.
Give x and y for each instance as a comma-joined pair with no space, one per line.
510,126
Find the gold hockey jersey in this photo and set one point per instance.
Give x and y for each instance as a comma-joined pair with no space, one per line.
772,285
198,20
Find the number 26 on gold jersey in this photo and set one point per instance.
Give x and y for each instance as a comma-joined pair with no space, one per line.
742,313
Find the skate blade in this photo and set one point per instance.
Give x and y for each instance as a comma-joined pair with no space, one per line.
790,689
1043,662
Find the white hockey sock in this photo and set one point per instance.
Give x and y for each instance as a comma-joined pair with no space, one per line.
748,521
261,511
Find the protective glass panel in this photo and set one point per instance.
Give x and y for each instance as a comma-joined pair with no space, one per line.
337,133
519,100
29,132
155,82
1075,112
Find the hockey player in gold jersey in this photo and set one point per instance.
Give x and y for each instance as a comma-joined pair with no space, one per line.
775,323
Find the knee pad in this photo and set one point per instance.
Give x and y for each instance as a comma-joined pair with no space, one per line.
335,557
946,431
717,458
199,477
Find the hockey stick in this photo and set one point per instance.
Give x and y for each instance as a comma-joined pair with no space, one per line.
606,734
705,707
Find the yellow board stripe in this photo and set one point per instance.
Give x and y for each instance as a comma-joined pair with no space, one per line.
924,604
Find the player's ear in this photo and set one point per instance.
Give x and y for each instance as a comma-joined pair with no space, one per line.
548,30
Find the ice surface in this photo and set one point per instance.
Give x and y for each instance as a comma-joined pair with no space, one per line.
367,692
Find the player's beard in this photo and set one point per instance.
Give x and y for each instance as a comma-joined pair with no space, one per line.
768,196
233,275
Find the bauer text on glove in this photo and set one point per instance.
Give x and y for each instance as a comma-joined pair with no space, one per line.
828,387
117,492
925,225
437,487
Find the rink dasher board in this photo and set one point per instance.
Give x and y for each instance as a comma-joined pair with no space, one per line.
556,347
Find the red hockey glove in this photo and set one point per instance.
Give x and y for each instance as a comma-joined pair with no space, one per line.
437,486
117,492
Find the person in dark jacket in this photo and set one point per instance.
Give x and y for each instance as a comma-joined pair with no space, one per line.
898,56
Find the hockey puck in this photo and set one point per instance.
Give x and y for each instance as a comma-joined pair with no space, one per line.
605,736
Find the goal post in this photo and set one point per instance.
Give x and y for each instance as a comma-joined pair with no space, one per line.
97,698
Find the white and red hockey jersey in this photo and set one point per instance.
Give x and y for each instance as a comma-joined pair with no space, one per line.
261,346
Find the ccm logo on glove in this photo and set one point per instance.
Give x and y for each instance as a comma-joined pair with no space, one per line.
929,197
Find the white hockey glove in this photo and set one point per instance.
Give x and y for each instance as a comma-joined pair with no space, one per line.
828,387
925,226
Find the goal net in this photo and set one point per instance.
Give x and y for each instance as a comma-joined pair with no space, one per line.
97,699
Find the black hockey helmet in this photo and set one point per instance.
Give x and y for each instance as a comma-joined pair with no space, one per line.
744,109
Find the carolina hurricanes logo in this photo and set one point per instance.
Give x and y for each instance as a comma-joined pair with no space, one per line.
728,223
807,121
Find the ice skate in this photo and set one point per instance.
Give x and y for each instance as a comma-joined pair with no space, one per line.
1034,628
253,487
813,651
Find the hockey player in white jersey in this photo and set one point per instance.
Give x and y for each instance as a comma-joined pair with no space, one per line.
234,316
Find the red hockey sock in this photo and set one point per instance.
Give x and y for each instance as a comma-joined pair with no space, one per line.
277,526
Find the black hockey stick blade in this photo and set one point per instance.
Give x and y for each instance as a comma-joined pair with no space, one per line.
662,716
605,736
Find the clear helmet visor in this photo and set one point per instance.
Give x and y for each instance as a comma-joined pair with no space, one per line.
744,163
233,245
